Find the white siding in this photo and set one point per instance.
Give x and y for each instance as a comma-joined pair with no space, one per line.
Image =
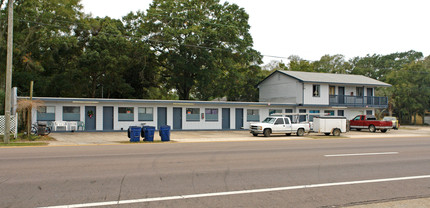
280,88
351,113
350,90
353,90
202,124
323,99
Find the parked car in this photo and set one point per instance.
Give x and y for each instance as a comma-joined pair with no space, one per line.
279,125
330,125
396,124
369,122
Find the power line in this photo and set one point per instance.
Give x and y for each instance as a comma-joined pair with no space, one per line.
142,39
75,24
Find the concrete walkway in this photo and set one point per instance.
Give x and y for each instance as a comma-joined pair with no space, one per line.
82,138
415,203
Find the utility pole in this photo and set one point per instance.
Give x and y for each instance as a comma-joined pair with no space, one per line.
29,112
8,72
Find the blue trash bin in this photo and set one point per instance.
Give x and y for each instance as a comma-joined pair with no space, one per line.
165,133
134,133
142,132
149,133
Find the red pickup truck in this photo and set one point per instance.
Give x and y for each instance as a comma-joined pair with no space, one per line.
369,122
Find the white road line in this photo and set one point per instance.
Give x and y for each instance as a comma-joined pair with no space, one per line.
362,154
236,192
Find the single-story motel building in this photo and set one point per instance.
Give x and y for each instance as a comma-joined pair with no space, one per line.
281,92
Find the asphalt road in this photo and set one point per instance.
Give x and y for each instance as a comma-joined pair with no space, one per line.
218,174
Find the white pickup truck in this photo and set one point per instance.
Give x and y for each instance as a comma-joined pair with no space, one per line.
279,125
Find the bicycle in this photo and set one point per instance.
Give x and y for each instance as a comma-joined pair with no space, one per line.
34,130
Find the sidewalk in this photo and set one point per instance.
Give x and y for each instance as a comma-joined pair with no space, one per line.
416,203
82,138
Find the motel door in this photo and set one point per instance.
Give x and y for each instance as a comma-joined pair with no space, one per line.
341,95
161,117
90,118
177,118
107,118
226,118
369,96
239,118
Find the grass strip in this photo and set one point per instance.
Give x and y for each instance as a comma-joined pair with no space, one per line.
22,144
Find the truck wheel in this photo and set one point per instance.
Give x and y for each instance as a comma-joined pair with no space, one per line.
300,132
288,134
336,132
383,130
372,128
254,134
266,132
327,134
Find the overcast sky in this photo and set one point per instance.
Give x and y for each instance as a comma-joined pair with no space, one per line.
313,28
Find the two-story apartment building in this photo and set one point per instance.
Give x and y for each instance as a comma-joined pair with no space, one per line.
322,93
280,92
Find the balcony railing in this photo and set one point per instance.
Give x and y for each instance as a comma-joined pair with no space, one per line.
358,101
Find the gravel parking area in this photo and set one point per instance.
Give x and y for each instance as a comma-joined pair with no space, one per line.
83,138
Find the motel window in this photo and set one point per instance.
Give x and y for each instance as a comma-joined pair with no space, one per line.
71,113
289,111
211,114
340,113
146,114
193,114
46,113
252,115
311,117
272,111
125,114
329,112
316,90
360,91
302,117
332,90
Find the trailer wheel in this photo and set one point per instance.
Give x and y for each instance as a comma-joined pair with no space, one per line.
266,132
372,128
300,132
327,134
336,132
383,130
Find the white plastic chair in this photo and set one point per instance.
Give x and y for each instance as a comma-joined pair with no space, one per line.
72,125
61,124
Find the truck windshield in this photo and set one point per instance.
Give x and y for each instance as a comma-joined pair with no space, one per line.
269,120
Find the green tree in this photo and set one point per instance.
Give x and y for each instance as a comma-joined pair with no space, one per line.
197,43
410,92
142,71
378,66
37,23
332,64
299,64
102,63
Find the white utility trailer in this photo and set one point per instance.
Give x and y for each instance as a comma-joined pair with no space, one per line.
330,125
